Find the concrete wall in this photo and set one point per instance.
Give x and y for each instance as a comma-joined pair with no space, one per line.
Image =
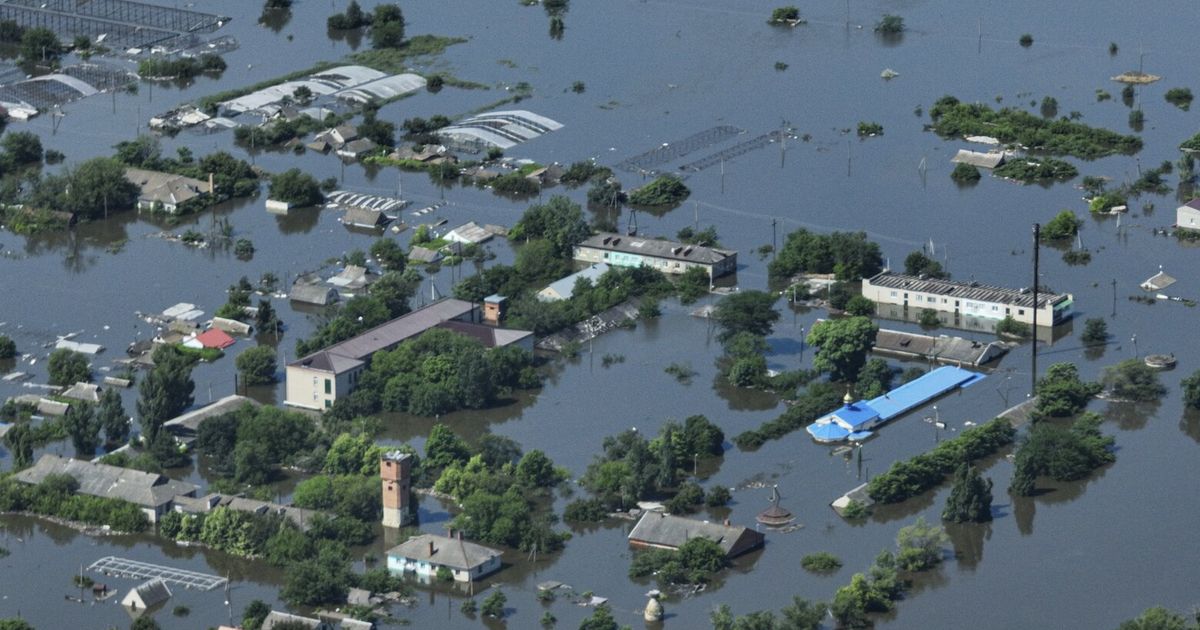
398,565
306,387
1188,218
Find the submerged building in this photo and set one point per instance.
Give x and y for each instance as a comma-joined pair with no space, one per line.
502,130
670,257
967,299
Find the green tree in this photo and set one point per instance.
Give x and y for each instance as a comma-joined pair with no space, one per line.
40,44
498,450
971,497
535,470
8,347
1061,393
444,448
20,442
387,35
83,427
165,391
22,148
1095,331
784,14
1191,390
802,614
90,190
842,346
665,190
964,173
14,624
352,455
144,623
849,255
1064,225
1157,618
890,25
258,365
67,367
389,254
920,546
746,311
1132,379
1063,454
493,605
295,187
560,221
254,614
918,264
600,619
860,306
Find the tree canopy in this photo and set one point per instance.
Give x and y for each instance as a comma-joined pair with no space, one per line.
971,497
746,311
842,346
849,255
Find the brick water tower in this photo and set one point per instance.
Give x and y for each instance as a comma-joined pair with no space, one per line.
395,470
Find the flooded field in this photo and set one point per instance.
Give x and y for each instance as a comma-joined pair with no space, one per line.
658,72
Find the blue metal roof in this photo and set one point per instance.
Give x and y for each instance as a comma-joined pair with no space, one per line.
827,432
563,288
859,436
921,390
856,415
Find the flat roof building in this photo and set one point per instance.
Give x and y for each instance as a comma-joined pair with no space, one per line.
967,299
666,256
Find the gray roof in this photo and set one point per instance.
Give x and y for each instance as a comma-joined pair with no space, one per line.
87,392
276,617
310,293
943,347
670,250
1157,282
965,290
469,233
113,482
489,336
666,530
300,517
363,217
563,288
1193,204
151,593
135,486
449,552
358,597
386,335
976,158
352,277
166,188
358,147
424,254
191,420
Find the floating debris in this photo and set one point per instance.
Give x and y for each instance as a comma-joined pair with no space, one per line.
888,73
1141,78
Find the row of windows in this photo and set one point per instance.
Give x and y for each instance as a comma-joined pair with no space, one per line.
970,305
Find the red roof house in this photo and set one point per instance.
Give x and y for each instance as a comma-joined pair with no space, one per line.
215,338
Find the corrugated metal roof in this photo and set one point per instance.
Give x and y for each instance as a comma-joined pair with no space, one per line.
400,329
976,158
667,530
101,480
921,390
659,249
964,290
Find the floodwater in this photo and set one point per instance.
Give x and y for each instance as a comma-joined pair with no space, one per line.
1086,555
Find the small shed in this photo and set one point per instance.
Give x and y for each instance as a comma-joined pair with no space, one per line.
469,233
424,255
1158,281
86,392
364,218
146,595
309,292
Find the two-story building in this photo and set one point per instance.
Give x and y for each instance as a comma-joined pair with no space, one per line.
967,299
666,256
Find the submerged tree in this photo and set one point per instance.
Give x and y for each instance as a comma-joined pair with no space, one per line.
971,497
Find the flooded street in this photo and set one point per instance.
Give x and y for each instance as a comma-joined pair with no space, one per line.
657,72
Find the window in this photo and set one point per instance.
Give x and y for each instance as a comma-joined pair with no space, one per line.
1020,311
328,403
328,386
995,308
932,300
893,294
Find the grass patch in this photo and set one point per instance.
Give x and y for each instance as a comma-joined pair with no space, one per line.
393,60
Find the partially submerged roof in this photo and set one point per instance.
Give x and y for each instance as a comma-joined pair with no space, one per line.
192,420
942,348
215,338
659,249
922,389
469,233
148,594
1158,281
101,480
87,392
453,553
389,334
965,290
489,336
313,293
280,618
363,217
504,129
564,288
666,530
424,254
976,158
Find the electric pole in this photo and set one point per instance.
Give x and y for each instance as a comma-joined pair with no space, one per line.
1037,229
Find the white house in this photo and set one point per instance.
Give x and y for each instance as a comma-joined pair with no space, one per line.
1187,216
147,595
427,553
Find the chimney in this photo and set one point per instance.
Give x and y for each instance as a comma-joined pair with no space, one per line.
431,549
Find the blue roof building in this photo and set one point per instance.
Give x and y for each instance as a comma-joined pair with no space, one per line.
853,419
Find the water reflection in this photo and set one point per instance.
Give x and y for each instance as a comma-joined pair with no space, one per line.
1189,423
275,19
1131,416
298,221
967,540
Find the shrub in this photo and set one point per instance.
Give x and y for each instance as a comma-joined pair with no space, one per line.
821,562
890,25
907,479
1179,97
1026,40
1132,379
783,15
964,173
8,347
1012,327
866,129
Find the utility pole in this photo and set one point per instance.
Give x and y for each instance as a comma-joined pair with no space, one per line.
773,222
1114,286
1037,234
